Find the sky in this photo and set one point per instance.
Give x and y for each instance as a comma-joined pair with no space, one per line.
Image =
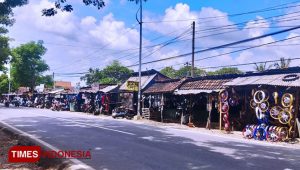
90,38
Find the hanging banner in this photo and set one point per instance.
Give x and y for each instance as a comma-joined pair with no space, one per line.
132,85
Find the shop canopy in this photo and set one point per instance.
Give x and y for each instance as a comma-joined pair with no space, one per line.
108,88
203,85
285,80
167,86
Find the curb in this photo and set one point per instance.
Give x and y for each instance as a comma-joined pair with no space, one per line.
70,164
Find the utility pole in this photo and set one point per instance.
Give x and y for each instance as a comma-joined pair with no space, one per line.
9,78
140,60
53,80
193,51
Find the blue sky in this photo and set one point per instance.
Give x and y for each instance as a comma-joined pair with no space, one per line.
75,40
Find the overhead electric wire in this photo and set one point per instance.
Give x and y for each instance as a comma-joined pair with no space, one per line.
277,7
243,64
225,45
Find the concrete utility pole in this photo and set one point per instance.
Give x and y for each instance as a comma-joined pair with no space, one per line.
53,80
193,51
140,60
9,78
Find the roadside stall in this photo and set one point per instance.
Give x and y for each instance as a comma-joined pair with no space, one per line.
199,99
159,101
128,94
270,104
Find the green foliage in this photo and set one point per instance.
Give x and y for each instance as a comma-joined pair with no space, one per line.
226,70
47,80
4,52
182,72
169,72
27,64
65,7
262,67
6,13
283,63
3,83
111,74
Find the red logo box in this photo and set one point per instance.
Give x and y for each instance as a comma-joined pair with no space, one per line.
30,154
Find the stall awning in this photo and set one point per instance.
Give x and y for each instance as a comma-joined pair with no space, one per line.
286,80
108,88
186,92
57,91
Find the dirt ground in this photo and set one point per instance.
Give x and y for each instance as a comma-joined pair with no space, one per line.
6,142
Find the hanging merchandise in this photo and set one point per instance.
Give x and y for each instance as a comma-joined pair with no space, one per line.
275,111
275,96
285,116
224,109
287,100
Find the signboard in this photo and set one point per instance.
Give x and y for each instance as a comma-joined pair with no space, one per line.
132,86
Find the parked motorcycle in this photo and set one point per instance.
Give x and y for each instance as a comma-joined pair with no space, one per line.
123,113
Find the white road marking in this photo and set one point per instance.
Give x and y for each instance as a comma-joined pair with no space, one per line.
86,124
78,163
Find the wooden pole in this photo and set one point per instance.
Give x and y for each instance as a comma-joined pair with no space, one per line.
220,123
296,113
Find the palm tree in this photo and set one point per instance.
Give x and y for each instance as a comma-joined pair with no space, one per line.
262,67
283,63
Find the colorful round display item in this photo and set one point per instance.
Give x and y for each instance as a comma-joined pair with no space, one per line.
260,96
291,132
272,134
275,111
253,104
287,100
260,133
264,106
248,132
285,117
223,95
283,133
224,107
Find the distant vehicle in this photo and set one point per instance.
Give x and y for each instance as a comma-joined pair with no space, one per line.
123,113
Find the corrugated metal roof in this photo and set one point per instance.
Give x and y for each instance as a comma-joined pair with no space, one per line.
275,80
108,88
185,92
167,86
213,84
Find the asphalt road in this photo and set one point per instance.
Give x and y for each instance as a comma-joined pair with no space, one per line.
116,144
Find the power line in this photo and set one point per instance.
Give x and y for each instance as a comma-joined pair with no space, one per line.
225,45
277,7
243,64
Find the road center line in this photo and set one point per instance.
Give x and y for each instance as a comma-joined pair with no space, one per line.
81,123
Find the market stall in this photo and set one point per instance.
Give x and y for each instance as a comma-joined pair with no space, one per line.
270,105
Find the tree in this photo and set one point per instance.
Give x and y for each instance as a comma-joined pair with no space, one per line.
65,7
3,83
47,80
111,74
262,67
6,20
27,64
283,63
169,72
226,70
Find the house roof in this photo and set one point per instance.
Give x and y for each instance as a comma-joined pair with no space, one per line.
144,79
205,84
63,84
167,86
275,80
275,77
148,73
